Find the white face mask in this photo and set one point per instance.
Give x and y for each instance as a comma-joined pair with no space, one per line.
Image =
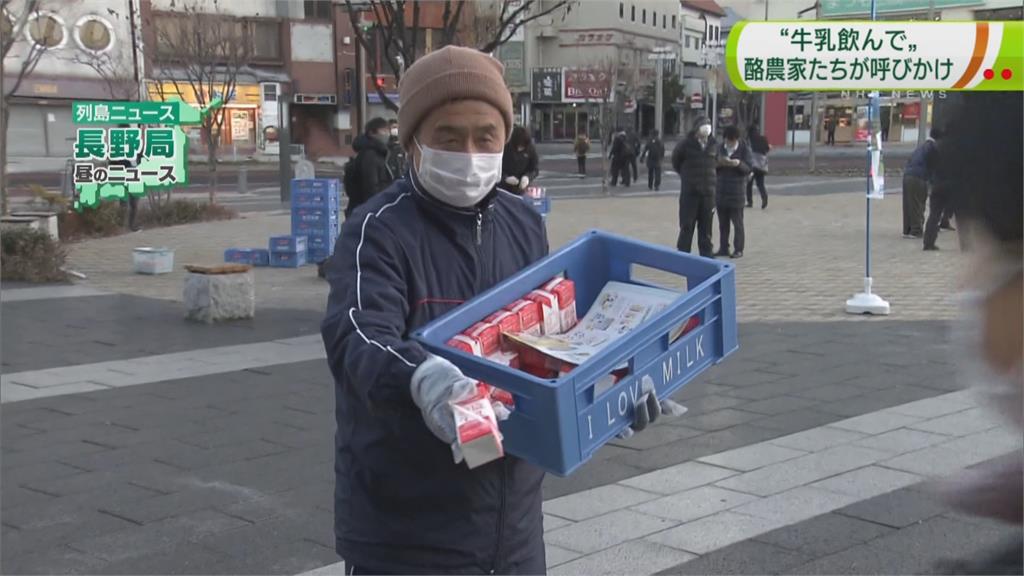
394,132
458,179
704,131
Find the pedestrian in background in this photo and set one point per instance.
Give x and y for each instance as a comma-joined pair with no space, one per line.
519,162
759,148
830,129
581,147
734,160
620,154
130,203
941,204
695,159
633,150
917,175
396,155
367,173
654,153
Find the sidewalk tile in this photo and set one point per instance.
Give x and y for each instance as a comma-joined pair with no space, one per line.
678,478
825,534
555,555
960,423
897,509
803,470
554,522
956,539
752,457
875,422
16,392
747,557
656,436
693,504
795,505
935,407
862,560
717,420
868,482
637,557
596,501
817,439
152,538
714,532
944,459
605,531
901,440
778,405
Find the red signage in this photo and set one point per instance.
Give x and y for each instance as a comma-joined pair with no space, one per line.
911,110
587,86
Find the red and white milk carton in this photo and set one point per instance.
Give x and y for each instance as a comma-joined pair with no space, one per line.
487,335
528,312
551,324
565,290
507,323
476,428
466,344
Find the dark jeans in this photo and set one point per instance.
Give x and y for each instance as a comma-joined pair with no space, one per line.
758,177
915,196
133,207
620,168
730,215
581,164
531,567
938,206
654,176
632,165
831,138
696,212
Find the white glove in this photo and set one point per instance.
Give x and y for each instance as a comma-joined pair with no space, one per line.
435,384
524,182
648,409
512,180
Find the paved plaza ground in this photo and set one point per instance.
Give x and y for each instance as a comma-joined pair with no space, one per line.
135,443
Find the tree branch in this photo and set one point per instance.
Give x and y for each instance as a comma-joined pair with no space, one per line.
509,24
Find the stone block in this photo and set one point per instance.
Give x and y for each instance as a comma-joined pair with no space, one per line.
218,297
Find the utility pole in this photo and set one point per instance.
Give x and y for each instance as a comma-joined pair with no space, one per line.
284,144
813,140
764,95
659,56
922,113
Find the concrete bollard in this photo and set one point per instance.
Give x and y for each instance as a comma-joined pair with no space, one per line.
243,179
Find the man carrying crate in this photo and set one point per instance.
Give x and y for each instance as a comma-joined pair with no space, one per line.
405,257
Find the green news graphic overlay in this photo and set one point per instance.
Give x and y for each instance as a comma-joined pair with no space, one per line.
111,163
845,55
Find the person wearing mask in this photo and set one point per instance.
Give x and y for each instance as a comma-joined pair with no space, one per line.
620,154
695,159
405,257
734,160
759,148
519,165
632,151
581,147
919,172
654,153
396,155
984,181
367,173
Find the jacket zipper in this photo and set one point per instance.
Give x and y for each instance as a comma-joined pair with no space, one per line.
479,227
501,518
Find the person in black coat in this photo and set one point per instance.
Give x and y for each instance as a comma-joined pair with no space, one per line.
519,162
632,151
695,159
759,148
654,153
367,173
620,154
734,161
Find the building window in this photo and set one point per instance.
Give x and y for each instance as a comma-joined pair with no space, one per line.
347,85
266,40
654,19
46,30
622,10
643,16
317,9
632,13
270,92
673,21
94,34
664,25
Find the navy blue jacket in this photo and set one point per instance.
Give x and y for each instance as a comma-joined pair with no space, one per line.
401,504
923,161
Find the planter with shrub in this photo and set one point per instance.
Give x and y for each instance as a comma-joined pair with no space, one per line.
28,255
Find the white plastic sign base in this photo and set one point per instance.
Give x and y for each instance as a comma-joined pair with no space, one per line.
867,303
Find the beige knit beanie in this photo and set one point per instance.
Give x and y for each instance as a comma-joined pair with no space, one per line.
449,74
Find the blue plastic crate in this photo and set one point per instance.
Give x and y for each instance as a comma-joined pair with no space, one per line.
314,255
321,242
252,256
287,259
291,243
320,216
310,229
316,199
329,185
559,424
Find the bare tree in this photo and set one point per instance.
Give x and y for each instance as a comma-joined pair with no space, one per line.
203,52
606,117
396,27
16,15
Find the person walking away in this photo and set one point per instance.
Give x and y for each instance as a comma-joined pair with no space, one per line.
759,148
654,153
918,173
734,160
402,504
367,173
695,159
619,155
396,155
941,201
633,152
519,163
581,147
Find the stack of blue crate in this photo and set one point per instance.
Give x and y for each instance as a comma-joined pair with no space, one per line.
316,214
287,251
251,256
